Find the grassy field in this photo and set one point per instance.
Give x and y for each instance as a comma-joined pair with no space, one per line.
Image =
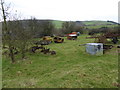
58,24
96,22
71,67
99,26
89,24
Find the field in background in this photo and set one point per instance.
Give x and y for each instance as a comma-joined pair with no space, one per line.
88,24
58,24
72,67
95,22
99,26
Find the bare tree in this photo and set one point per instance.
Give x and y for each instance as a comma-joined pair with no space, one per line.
35,27
24,36
68,27
17,35
6,32
48,28
79,29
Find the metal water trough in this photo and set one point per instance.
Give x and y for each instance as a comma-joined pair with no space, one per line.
94,48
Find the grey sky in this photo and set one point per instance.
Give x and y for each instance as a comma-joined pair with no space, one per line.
68,9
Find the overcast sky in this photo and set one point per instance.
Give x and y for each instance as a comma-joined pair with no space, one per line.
70,10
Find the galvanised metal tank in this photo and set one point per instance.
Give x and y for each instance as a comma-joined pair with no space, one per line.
94,48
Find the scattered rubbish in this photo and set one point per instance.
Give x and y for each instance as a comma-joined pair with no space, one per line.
72,36
47,51
48,38
34,48
42,42
103,38
106,47
58,39
94,48
97,48
118,46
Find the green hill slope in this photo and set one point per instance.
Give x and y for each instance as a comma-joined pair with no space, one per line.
57,23
88,24
97,23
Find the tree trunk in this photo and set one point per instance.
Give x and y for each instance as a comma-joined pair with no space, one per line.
8,33
23,54
23,50
12,54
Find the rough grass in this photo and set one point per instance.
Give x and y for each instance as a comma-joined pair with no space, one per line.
72,67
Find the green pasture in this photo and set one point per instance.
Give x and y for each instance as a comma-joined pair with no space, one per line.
71,67
89,24
58,24
100,26
96,22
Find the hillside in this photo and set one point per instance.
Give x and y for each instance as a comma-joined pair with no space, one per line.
88,24
57,23
93,23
